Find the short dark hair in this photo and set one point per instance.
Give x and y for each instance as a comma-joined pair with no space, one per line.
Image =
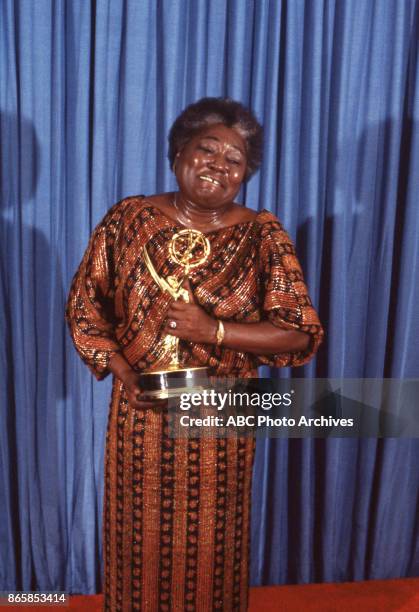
210,111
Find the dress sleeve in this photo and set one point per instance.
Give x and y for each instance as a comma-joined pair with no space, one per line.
286,303
90,314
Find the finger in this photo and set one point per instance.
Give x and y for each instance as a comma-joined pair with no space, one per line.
178,316
187,285
173,320
172,332
132,391
136,401
179,332
142,405
142,402
172,315
178,306
145,405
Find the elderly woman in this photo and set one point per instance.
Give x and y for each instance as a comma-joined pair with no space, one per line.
176,511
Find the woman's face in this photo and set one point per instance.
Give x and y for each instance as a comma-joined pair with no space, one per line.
211,166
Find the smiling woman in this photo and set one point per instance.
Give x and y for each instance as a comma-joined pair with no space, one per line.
211,167
177,512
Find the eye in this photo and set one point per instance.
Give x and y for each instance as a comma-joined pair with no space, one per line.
206,148
236,162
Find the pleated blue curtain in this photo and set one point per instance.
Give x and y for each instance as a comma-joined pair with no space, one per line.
88,91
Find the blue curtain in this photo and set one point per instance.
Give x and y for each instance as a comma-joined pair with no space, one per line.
88,91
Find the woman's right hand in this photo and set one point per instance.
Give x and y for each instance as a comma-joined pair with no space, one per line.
133,391
119,366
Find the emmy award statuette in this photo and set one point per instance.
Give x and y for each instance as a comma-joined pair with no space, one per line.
188,248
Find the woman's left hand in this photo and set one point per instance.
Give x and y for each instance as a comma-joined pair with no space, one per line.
192,322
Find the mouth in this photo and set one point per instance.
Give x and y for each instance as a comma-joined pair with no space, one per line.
210,179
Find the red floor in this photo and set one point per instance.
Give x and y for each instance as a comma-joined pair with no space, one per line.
373,596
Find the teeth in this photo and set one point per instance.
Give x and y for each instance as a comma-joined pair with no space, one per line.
210,180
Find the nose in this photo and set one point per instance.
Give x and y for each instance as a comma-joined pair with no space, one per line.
218,164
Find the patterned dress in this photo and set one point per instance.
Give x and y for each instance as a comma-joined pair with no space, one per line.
176,523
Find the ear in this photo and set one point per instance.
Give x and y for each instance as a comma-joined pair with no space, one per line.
175,160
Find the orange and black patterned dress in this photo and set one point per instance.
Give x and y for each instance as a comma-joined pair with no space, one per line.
177,511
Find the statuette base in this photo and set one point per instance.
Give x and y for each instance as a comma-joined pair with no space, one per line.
171,382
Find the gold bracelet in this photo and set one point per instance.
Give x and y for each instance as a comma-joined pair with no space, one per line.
220,332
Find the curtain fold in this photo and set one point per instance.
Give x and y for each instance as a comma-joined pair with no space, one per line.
88,91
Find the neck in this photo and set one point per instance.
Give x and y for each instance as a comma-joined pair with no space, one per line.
193,214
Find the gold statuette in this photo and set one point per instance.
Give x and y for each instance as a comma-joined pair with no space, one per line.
189,249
